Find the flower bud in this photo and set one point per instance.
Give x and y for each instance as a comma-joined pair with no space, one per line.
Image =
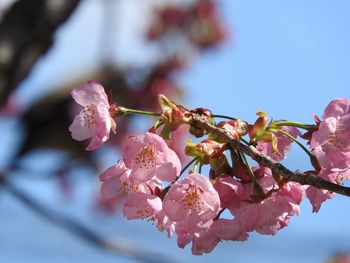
204,148
236,128
197,132
172,113
259,126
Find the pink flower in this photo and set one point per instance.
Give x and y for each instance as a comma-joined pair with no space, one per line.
318,196
331,142
228,229
191,203
274,211
230,191
148,207
117,186
142,206
337,108
283,144
94,121
177,142
340,258
204,242
221,229
149,156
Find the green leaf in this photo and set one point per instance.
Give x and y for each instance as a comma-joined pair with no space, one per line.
166,132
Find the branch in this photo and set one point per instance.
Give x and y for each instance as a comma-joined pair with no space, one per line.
26,32
80,230
276,168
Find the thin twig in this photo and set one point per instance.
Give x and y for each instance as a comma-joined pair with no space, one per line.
80,230
276,168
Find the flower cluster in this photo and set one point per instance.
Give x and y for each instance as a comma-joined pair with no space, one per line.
199,24
235,199
331,145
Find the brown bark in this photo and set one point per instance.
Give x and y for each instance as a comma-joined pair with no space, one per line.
277,168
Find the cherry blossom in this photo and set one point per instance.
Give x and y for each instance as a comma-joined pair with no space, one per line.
274,211
221,229
116,184
142,206
230,191
94,121
192,208
204,242
318,196
149,156
331,142
191,203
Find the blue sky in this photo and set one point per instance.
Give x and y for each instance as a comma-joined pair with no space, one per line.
289,58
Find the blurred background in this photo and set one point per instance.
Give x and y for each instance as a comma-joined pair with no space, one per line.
288,58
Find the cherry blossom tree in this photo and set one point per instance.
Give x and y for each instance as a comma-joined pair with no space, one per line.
197,175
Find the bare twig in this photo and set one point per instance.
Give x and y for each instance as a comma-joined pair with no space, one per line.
80,230
276,168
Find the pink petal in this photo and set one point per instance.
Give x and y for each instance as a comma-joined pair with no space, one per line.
79,132
337,107
90,93
204,242
227,229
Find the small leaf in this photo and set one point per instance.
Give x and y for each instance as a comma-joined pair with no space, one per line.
166,132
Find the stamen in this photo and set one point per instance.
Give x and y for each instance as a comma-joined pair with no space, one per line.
146,159
193,198
87,117
128,187
145,213
337,143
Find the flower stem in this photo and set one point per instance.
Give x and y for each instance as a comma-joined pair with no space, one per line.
140,112
200,167
313,158
251,173
294,140
223,116
293,124
157,124
186,167
256,186
243,140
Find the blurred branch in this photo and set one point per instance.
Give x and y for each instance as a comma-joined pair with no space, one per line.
276,168
26,33
46,122
80,230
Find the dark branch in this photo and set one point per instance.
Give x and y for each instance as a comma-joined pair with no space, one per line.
276,168
26,33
